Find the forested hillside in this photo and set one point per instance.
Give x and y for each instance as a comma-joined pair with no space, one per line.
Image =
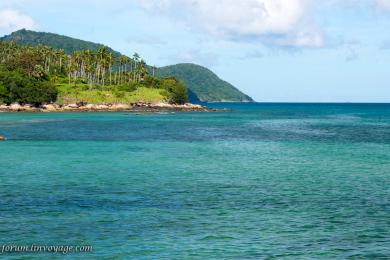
56,41
204,83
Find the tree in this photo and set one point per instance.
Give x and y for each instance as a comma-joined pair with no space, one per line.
122,62
154,69
178,93
18,87
101,63
136,58
141,70
110,62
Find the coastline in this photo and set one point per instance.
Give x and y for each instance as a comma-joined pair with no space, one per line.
83,107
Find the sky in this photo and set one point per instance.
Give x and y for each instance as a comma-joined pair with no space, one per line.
273,50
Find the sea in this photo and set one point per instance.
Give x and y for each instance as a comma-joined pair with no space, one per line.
257,181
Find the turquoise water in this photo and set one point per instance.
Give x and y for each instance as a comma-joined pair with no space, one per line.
286,181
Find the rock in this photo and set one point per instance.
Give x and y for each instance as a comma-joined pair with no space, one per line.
73,106
142,104
29,108
192,106
90,106
118,107
81,104
82,107
2,138
162,105
4,108
51,107
15,107
102,107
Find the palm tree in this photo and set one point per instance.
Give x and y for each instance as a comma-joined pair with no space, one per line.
136,59
142,70
88,58
110,60
122,61
101,63
60,55
154,69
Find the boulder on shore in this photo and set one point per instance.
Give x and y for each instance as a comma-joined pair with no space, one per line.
186,106
120,107
163,105
2,138
51,107
71,106
90,106
15,107
102,107
83,107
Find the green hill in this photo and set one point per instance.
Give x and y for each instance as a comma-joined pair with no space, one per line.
56,41
204,83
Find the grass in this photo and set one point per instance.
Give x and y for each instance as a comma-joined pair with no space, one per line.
107,95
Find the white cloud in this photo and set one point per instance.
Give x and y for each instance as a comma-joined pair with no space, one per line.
385,4
304,38
12,20
277,22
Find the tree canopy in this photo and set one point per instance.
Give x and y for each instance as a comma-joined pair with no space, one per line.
42,67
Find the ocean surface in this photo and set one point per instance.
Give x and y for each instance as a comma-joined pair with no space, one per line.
275,181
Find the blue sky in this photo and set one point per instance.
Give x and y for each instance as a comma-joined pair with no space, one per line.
273,50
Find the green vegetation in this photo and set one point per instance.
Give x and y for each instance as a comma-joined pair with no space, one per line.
18,87
203,83
34,75
67,44
109,95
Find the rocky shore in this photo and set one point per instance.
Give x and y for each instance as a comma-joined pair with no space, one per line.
83,107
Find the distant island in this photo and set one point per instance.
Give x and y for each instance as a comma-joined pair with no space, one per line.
41,68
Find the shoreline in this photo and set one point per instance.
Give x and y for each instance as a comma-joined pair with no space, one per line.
83,107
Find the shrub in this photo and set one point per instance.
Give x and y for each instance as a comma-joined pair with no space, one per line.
129,87
18,87
177,90
3,93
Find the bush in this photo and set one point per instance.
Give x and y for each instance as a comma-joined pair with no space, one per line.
18,87
178,93
3,93
119,94
152,82
129,87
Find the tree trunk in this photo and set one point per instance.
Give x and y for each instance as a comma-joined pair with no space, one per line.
110,75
